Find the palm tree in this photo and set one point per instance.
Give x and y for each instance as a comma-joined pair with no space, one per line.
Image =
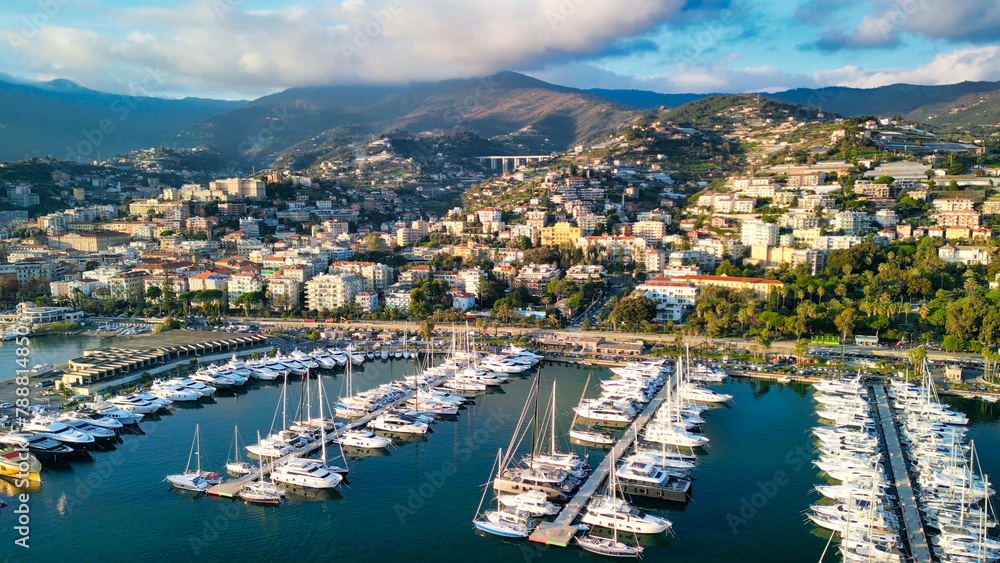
970,284
763,343
801,349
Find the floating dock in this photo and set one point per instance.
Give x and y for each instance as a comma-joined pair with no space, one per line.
560,531
913,526
229,489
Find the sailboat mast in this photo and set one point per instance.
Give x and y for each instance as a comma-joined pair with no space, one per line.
322,421
534,417
552,431
284,402
197,451
350,362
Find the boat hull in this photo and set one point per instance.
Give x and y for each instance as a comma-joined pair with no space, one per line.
502,530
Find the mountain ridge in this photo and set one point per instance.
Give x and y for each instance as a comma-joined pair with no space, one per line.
63,119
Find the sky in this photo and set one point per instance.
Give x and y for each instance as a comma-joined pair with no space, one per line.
243,49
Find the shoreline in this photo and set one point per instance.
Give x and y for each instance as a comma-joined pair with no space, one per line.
37,396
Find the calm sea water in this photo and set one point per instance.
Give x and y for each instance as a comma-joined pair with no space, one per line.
417,503
50,349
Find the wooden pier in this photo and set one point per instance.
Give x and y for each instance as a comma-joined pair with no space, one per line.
561,530
913,526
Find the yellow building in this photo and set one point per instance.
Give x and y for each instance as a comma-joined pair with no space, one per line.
561,233
760,285
89,242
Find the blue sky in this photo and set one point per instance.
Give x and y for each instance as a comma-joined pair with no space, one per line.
248,48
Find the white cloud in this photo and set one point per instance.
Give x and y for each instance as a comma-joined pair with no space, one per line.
974,63
215,45
694,78
959,21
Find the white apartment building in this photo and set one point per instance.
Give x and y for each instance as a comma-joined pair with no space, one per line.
886,218
367,301
469,280
952,204
284,292
239,187
842,242
489,215
798,221
673,299
617,247
536,277
852,222
330,291
650,231
377,277
758,232
244,282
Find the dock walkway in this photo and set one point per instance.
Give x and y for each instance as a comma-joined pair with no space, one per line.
561,530
913,526
229,489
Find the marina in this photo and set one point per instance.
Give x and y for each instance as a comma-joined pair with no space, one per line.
915,536
560,531
407,482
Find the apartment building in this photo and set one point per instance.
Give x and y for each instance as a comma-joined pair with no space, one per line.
330,291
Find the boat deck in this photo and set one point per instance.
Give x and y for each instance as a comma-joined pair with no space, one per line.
560,531
914,528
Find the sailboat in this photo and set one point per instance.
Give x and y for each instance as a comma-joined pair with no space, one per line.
311,473
261,491
504,522
194,480
350,406
605,546
569,462
589,436
237,466
557,481
609,511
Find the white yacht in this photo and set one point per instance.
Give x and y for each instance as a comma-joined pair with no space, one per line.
265,373
134,404
55,430
673,435
307,473
363,439
197,480
186,383
643,472
175,393
536,503
700,395
107,410
217,380
616,514
102,436
99,420
190,481
399,424
273,446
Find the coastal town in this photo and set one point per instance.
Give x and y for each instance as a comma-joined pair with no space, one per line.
819,227
692,261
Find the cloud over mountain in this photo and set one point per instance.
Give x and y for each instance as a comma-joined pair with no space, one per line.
219,44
